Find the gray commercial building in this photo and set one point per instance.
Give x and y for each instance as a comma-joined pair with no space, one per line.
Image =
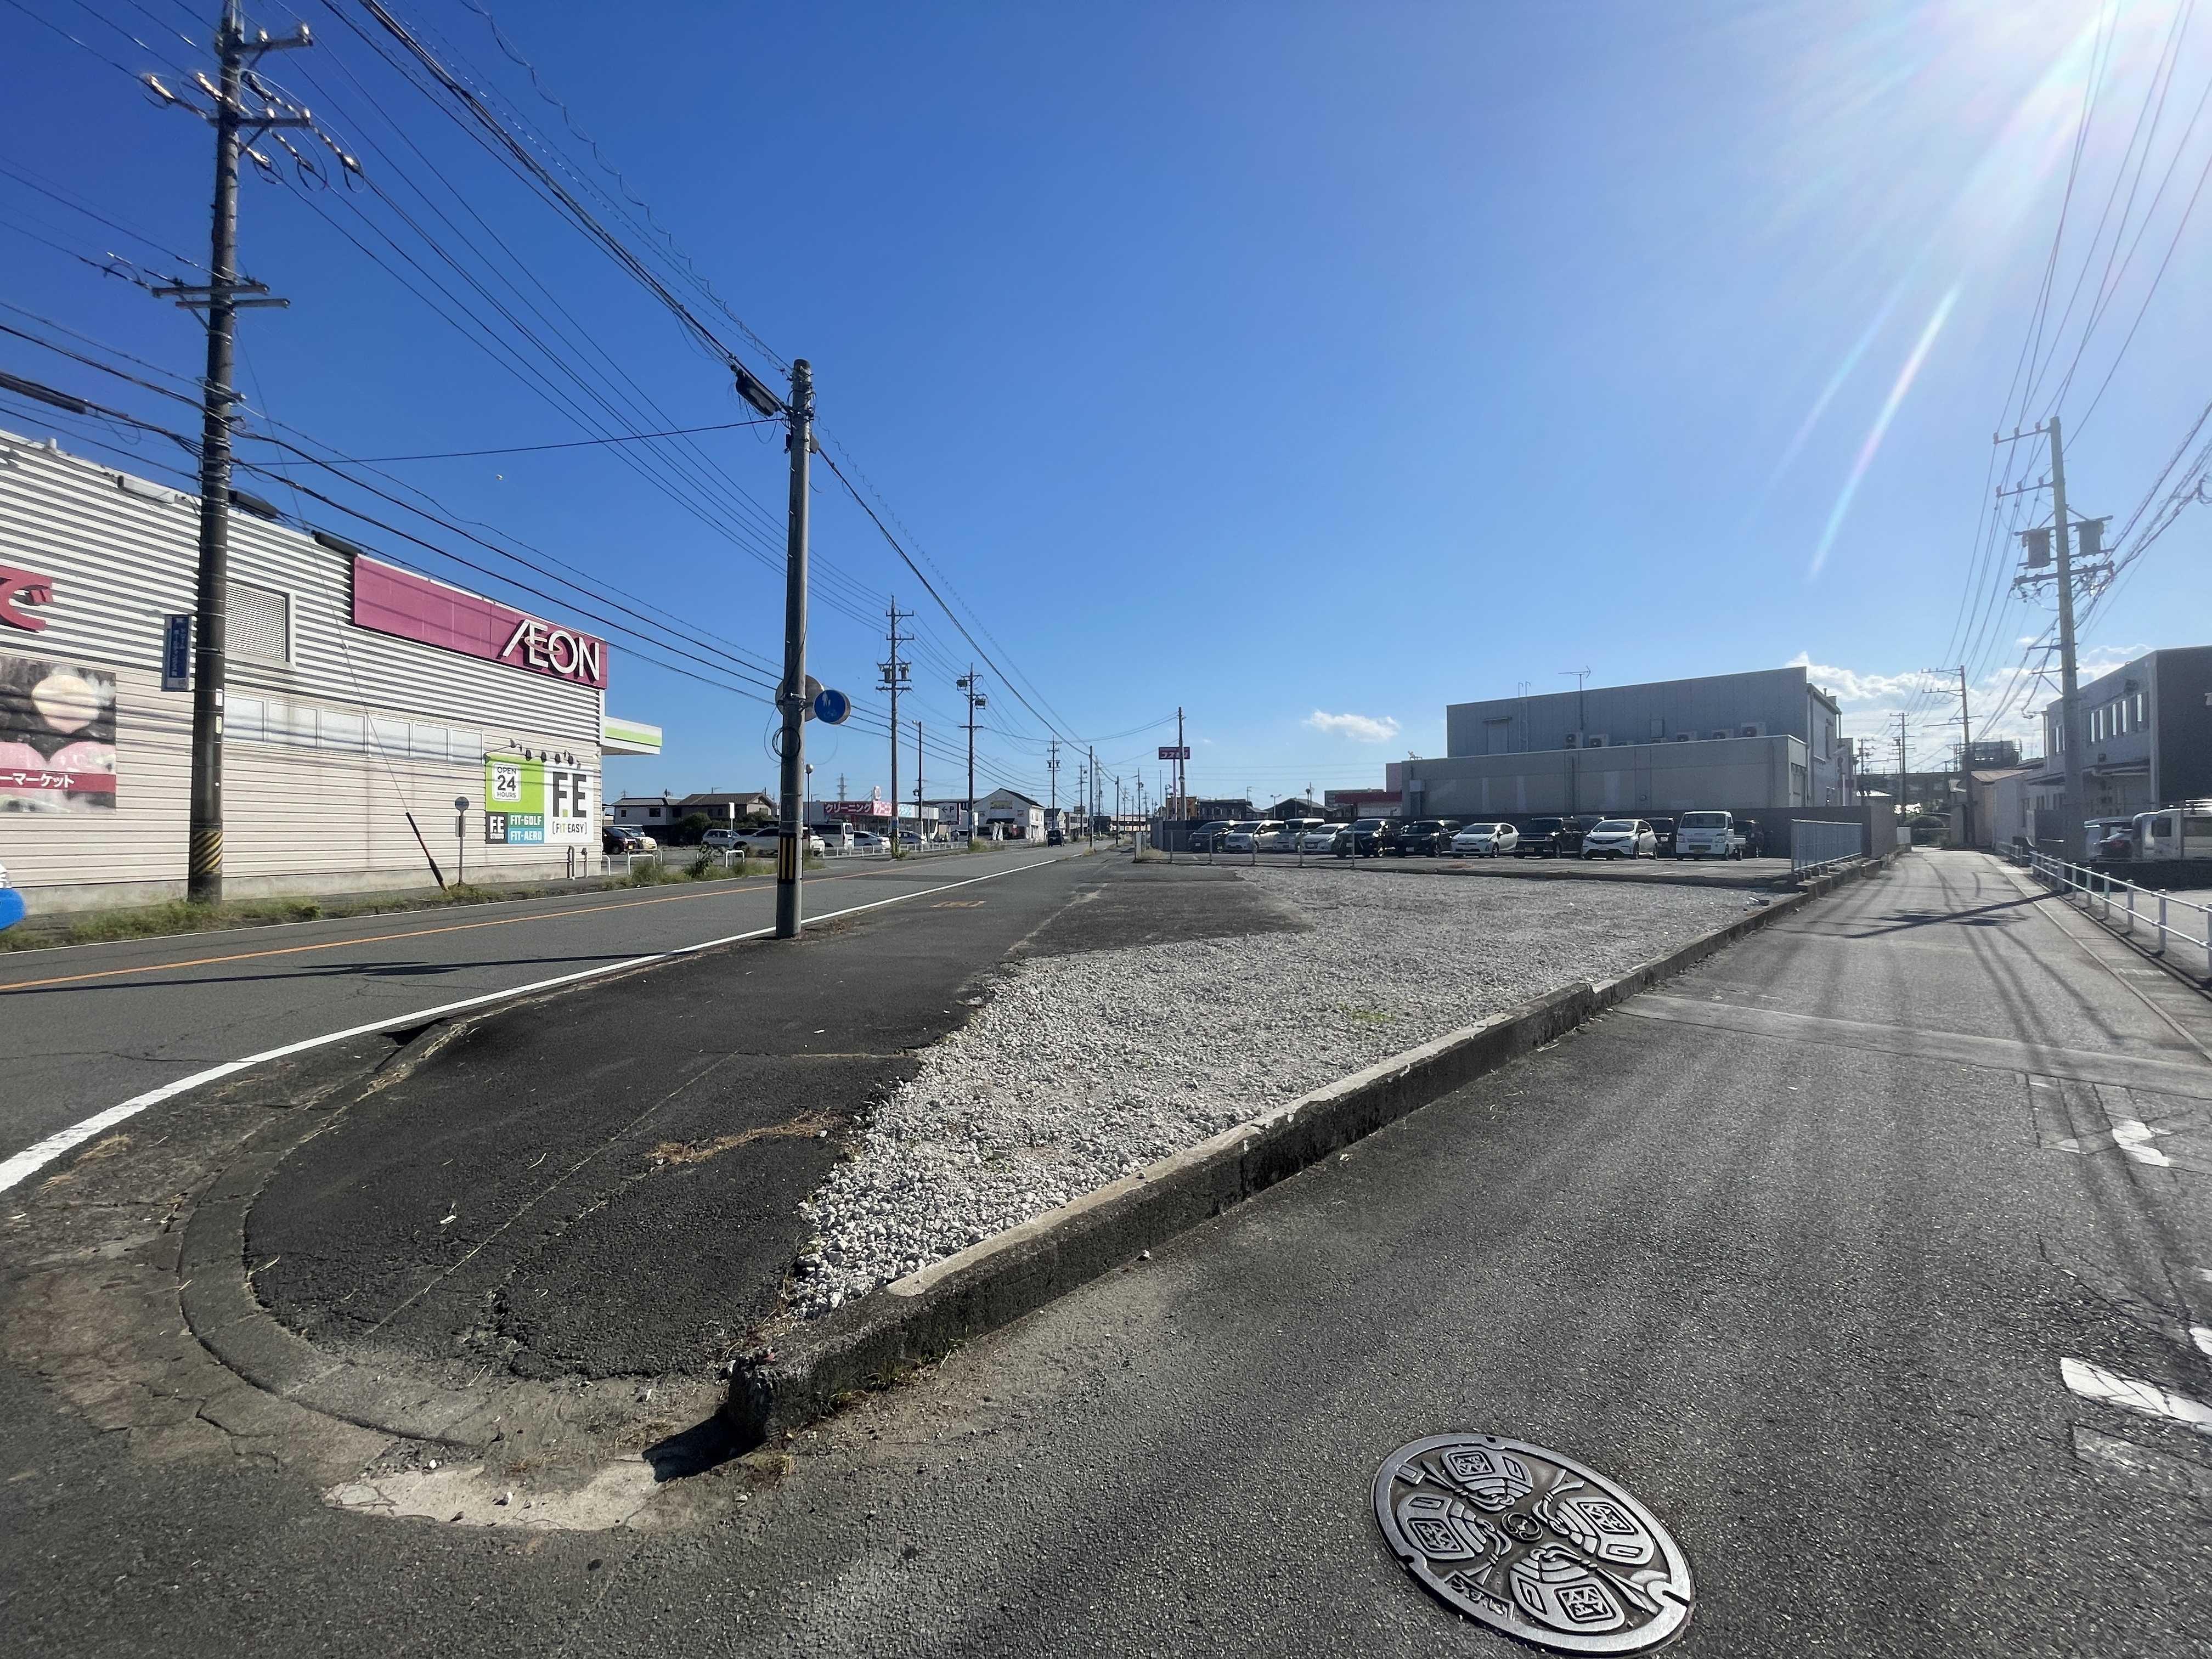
2149,728
1768,740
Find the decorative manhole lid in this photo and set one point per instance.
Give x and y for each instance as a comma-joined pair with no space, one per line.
1534,1544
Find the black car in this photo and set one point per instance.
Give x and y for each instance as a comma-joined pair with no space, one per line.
1207,838
1424,837
1664,829
1570,836
1053,838
1541,838
1364,837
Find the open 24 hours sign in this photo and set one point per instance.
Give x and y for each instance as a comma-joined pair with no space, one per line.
530,803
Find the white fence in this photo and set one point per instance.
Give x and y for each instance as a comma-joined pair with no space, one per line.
2123,907
1814,846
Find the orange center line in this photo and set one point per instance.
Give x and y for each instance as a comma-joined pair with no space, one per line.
385,939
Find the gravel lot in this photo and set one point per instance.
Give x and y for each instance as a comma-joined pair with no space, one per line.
1080,1069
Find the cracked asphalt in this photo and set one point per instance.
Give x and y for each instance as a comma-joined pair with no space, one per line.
1795,1248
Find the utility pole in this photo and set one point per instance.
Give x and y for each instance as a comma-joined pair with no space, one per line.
1090,797
1966,757
1900,763
2069,677
2073,741
1052,775
236,126
894,679
975,700
920,839
789,843
1182,770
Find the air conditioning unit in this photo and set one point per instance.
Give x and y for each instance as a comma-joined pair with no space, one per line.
1681,736
1750,731
1595,740
1720,733
1574,740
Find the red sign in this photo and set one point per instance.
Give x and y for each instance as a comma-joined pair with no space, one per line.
22,587
853,809
411,607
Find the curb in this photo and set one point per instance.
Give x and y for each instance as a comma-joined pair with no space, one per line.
920,1318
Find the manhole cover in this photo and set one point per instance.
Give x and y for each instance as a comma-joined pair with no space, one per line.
1533,1544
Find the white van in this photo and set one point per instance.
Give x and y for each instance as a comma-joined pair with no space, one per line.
2176,832
1708,835
835,838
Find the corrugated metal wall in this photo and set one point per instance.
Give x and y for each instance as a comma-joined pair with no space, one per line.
370,726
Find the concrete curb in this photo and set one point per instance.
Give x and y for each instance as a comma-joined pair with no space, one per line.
922,1317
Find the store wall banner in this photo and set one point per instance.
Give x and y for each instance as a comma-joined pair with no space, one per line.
57,736
177,652
531,803
389,600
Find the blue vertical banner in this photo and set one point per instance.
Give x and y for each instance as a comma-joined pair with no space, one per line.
177,652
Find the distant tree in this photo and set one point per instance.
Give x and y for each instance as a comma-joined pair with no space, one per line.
687,830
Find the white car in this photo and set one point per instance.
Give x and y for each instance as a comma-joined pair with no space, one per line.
761,842
1320,838
1249,836
1621,838
1486,841
1286,837
867,840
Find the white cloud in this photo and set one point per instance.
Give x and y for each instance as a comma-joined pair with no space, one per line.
2005,703
1359,728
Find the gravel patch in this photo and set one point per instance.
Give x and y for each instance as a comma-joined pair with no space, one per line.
1080,1069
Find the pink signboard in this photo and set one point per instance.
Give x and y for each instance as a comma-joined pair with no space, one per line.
411,607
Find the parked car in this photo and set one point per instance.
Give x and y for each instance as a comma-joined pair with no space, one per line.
1426,837
1055,838
1708,835
1207,838
1362,837
1621,838
867,840
1664,829
761,843
1293,830
909,837
1578,827
722,838
1246,837
622,838
835,838
1486,841
1540,838
1322,836
2173,833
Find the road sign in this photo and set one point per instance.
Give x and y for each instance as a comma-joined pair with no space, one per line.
831,708
1171,751
177,652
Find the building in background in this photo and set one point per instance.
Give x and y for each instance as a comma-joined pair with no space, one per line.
362,701
2149,728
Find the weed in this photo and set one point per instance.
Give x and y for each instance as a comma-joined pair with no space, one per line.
107,1148
1365,1016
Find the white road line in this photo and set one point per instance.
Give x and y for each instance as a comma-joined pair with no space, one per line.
33,1158
2133,1393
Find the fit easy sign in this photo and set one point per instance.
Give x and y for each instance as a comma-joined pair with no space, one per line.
397,602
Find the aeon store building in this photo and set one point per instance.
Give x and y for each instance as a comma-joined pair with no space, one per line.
362,701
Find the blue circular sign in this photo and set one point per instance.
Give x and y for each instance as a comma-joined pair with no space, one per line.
831,708
11,908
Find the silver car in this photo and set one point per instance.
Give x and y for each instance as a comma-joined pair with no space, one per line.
1246,837
1486,841
1322,837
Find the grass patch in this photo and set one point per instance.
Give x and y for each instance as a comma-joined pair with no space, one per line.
1364,1015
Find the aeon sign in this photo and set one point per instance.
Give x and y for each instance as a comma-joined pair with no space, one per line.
409,607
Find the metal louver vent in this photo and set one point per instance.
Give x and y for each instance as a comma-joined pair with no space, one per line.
260,625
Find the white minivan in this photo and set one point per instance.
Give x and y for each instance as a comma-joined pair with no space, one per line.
1708,835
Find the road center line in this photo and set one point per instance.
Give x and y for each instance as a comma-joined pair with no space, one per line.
418,933
34,1158
2133,1393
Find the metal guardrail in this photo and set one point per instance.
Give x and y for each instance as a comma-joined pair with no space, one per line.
1815,847
2098,888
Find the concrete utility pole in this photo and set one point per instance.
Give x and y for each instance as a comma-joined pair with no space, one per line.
1182,770
975,700
1090,797
235,126
1052,774
1900,764
1965,758
2069,677
919,836
791,830
894,679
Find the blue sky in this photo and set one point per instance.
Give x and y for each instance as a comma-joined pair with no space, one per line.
1306,366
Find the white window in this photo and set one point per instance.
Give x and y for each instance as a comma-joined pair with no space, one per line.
259,624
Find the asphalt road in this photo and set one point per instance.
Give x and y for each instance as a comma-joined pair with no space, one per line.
1812,1250
85,1027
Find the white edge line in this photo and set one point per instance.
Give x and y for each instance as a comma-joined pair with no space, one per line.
2133,1393
33,1158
